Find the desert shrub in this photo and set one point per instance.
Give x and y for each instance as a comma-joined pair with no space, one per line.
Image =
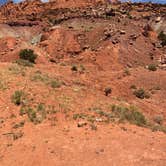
141,93
18,125
35,114
31,114
130,114
17,70
28,54
23,110
127,72
40,107
162,37
152,67
158,128
82,68
133,87
107,91
79,116
158,119
24,62
3,85
74,68
17,135
17,97
38,76
38,114
55,83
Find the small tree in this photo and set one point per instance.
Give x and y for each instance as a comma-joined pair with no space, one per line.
28,54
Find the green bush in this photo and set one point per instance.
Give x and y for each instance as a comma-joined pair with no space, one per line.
159,128
152,67
158,119
23,110
55,84
17,97
28,54
37,115
129,114
32,115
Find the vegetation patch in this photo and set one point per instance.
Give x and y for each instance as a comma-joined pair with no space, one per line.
158,119
107,91
18,97
21,124
141,93
74,68
3,85
17,69
28,55
36,114
159,128
127,72
152,67
53,82
24,62
130,114
120,113
79,116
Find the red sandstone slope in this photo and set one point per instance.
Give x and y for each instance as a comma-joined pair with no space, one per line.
78,104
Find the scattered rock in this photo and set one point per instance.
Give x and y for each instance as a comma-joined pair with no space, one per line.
115,41
81,124
122,32
99,120
133,37
158,45
158,19
107,33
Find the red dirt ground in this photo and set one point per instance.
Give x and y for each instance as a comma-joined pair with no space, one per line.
83,49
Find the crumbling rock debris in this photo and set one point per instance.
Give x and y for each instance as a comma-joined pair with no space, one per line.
133,37
163,59
122,32
146,30
81,124
158,19
158,44
108,33
115,41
